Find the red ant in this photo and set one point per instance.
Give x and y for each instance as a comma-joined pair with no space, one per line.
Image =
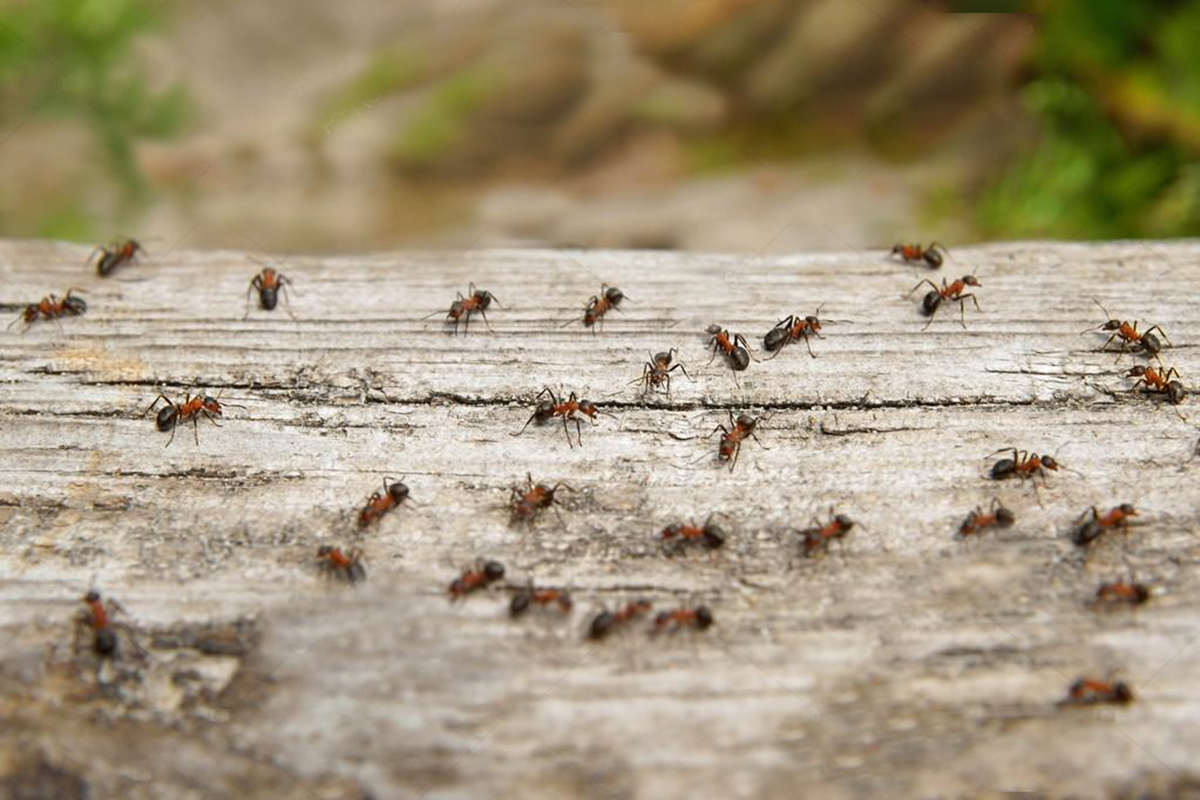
657,372
817,538
1117,517
269,283
530,501
997,516
475,578
931,255
120,253
1023,464
173,414
344,566
1122,592
105,641
547,410
793,328
952,292
733,346
1128,334
544,598
598,306
606,622
699,617
1158,382
710,534
379,503
462,308
731,439
1090,691
50,307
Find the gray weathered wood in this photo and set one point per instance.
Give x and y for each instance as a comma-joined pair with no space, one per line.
905,663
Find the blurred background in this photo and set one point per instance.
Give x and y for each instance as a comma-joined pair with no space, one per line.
731,125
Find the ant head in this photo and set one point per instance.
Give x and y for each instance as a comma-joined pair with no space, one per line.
641,604
1111,325
704,617
493,570
1127,509
588,408
135,246
1136,372
713,329
397,491
324,550
1049,462
813,322
91,597
844,521
971,280
614,295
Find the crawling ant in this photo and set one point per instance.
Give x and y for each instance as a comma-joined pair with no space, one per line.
710,534
997,516
816,539
699,618
1089,531
552,407
606,622
344,566
380,503
791,329
1091,691
733,346
1158,382
609,297
1128,334
475,578
952,292
173,414
1133,594
50,307
544,598
526,503
1023,464
657,372
121,252
269,283
931,255
477,300
98,613
731,438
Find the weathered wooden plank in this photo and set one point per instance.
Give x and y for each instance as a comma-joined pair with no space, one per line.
864,672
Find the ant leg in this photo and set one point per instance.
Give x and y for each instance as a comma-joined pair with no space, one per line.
712,342
760,444
578,431
287,301
931,316
152,405
485,321
720,428
567,431
1160,330
918,286
809,346
249,289
737,450
526,425
212,419
196,428
171,438
466,323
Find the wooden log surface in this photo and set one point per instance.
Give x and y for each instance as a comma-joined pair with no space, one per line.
903,663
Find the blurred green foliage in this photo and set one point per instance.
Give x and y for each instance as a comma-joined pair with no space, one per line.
1117,91
72,58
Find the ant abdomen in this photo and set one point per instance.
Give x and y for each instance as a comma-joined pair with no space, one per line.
167,416
740,359
1003,468
106,642
269,297
931,302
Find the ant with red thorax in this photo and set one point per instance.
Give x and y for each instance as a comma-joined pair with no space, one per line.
657,372
50,307
1128,334
527,502
552,407
817,538
380,503
269,284
997,516
116,254
477,301
710,534
346,566
173,414
98,619
733,346
952,292
542,598
610,297
1121,592
732,438
475,578
792,329
931,255
1092,691
1089,531
1159,382
700,618
605,622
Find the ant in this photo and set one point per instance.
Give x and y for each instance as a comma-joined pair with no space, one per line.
269,283
380,503
344,566
731,439
528,502
115,255
997,516
606,622
817,538
547,410
710,534
598,306
1090,691
1122,592
173,414
1158,382
50,307
1023,464
477,300
699,617
791,329
733,346
1117,517
931,255
952,292
475,578
657,372
1128,334
97,618
526,598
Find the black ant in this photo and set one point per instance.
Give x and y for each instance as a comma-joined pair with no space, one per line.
657,372
119,253
1128,334
731,438
548,409
269,283
792,329
98,620
379,503
952,292
1091,691
475,578
734,347
528,597
173,414
931,255
526,503
710,533
1158,382
817,538
50,307
344,566
699,618
606,622
997,516
477,300
1091,530
610,297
